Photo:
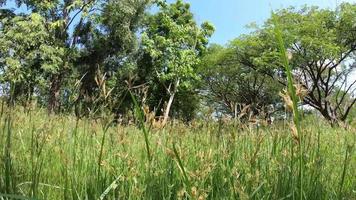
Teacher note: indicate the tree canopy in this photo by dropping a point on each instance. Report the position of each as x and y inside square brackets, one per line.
[86, 56]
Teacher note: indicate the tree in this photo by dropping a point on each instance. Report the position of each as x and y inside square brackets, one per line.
[28, 54]
[233, 86]
[320, 42]
[172, 44]
[59, 18]
[109, 45]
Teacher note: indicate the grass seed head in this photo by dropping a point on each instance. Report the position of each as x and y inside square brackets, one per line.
[194, 192]
[294, 132]
[301, 92]
[181, 193]
[288, 103]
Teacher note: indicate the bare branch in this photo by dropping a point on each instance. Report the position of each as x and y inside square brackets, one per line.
[338, 103]
[76, 14]
[348, 110]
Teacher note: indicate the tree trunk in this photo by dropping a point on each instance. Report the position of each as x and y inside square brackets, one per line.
[15, 93]
[329, 116]
[167, 109]
[169, 103]
[54, 93]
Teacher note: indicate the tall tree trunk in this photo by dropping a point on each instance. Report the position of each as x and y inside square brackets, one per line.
[54, 93]
[11, 99]
[15, 93]
[167, 109]
[170, 102]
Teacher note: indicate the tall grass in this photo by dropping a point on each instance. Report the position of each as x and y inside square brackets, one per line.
[56, 157]
[293, 95]
[141, 121]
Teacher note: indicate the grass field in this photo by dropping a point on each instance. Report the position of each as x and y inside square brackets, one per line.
[59, 157]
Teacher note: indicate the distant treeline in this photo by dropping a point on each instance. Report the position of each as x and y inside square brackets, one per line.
[92, 57]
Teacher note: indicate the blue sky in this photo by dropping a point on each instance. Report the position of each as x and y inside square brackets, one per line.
[230, 17]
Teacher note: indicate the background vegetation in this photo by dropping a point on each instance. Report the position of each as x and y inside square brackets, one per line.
[85, 56]
[108, 99]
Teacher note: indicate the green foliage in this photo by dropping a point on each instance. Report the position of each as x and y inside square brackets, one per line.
[28, 53]
[172, 45]
[187, 105]
[174, 42]
[232, 85]
[25, 46]
[108, 61]
[110, 47]
[316, 47]
[39, 5]
[57, 51]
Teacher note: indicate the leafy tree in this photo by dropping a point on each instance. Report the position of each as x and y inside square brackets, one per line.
[59, 17]
[319, 44]
[110, 44]
[28, 54]
[172, 45]
[232, 85]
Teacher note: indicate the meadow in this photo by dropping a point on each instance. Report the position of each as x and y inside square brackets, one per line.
[60, 157]
[131, 99]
